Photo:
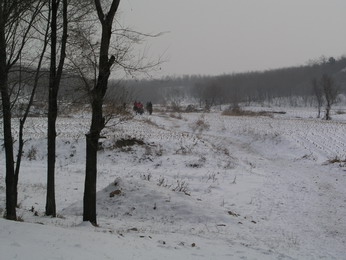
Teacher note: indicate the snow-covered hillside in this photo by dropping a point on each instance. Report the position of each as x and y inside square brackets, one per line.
[189, 186]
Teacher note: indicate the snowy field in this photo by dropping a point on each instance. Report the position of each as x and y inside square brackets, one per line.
[193, 186]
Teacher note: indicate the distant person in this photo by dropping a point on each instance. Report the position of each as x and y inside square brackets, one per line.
[138, 107]
[149, 108]
[135, 107]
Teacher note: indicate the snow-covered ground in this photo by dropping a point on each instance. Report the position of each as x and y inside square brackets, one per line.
[200, 186]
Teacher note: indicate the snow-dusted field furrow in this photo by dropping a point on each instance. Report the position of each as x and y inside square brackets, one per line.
[321, 139]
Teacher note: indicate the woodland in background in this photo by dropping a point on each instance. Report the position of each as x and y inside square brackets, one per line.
[293, 84]
[259, 87]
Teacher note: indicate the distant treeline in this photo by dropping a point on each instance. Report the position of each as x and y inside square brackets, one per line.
[241, 87]
[263, 86]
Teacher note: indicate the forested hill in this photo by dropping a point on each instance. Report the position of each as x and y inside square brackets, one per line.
[249, 86]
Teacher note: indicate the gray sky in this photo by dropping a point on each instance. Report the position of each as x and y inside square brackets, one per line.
[226, 36]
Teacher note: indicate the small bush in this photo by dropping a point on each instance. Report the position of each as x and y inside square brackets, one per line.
[32, 153]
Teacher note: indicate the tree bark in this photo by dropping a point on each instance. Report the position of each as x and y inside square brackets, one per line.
[11, 189]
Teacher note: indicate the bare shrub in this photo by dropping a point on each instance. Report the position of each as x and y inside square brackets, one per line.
[200, 125]
[146, 177]
[124, 144]
[128, 142]
[176, 115]
[175, 106]
[211, 177]
[191, 108]
[182, 186]
[198, 164]
[32, 153]
[117, 112]
[337, 159]
[237, 111]
[162, 182]
[186, 149]
[340, 112]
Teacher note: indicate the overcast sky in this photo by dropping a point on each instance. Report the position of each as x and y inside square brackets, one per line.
[213, 37]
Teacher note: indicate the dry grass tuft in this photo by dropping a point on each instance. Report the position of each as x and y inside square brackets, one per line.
[241, 112]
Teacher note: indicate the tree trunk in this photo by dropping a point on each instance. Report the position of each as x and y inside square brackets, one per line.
[92, 139]
[11, 189]
[328, 111]
[319, 109]
[52, 115]
[54, 82]
[97, 121]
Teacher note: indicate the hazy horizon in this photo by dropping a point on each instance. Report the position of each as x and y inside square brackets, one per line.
[232, 36]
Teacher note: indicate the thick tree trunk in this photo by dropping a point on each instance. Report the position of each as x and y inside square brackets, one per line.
[97, 121]
[11, 189]
[92, 139]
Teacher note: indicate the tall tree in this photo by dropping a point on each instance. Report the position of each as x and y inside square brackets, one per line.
[34, 83]
[6, 110]
[54, 82]
[97, 120]
[16, 21]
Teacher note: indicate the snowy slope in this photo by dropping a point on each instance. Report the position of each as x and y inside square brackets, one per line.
[231, 188]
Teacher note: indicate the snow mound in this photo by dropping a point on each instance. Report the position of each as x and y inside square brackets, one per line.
[145, 201]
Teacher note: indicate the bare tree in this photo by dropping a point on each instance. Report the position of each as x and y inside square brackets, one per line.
[16, 22]
[36, 76]
[98, 121]
[111, 55]
[318, 91]
[6, 110]
[330, 93]
[54, 82]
